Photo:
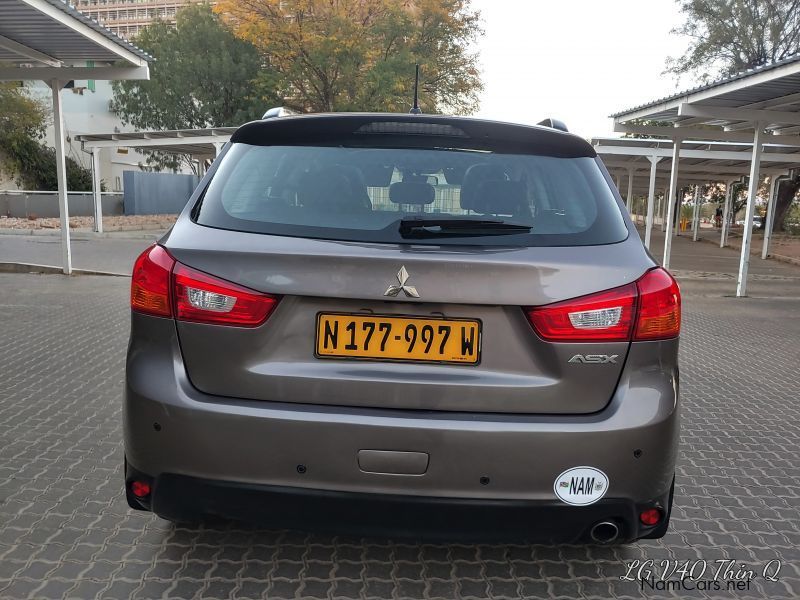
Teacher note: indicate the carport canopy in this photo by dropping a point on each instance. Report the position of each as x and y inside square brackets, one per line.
[760, 106]
[201, 144]
[648, 163]
[198, 143]
[48, 40]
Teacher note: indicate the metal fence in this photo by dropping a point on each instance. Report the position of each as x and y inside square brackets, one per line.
[446, 200]
[157, 193]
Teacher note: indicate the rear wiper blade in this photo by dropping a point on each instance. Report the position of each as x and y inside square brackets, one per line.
[420, 227]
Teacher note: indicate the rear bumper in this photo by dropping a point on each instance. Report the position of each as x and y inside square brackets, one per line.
[202, 449]
[181, 498]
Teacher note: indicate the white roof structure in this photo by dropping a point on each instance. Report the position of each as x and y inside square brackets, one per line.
[760, 106]
[49, 34]
[194, 142]
[769, 94]
[47, 40]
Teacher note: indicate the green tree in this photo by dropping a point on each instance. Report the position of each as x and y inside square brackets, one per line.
[729, 36]
[202, 77]
[359, 55]
[20, 114]
[35, 166]
[648, 123]
[22, 127]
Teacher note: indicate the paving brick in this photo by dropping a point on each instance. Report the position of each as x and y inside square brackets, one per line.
[65, 530]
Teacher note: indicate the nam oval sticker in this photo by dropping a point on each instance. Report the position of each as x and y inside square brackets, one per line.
[581, 486]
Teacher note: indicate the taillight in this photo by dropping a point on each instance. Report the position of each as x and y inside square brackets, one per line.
[659, 306]
[163, 287]
[202, 298]
[648, 309]
[604, 317]
[150, 282]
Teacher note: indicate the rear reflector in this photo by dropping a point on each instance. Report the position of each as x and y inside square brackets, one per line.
[150, 282]
[650, 516]
[202, 298]
[649, 309]
[140, 489]
[163, 287]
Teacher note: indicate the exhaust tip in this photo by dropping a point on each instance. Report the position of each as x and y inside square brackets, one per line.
[605, 532]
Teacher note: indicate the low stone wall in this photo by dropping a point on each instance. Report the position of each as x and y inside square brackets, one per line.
[45, 204]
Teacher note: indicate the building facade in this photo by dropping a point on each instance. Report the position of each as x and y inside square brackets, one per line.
[127, 18]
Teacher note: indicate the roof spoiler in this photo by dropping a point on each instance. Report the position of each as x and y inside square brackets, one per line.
[554, 124]
[278, 111]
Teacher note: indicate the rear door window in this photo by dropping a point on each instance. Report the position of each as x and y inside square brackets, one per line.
[364, 194]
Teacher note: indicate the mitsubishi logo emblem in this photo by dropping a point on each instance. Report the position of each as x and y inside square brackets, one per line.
[402, 277]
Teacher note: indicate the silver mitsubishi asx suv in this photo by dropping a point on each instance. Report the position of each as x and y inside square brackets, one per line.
[405, 324]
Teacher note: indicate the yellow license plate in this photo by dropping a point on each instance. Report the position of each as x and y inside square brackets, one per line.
[381, 337]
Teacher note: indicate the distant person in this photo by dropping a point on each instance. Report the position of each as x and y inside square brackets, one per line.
[718, 217]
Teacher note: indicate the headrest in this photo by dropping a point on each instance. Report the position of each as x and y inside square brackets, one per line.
[501, 198]
[472, 179]
[333, 189]
[408, 192]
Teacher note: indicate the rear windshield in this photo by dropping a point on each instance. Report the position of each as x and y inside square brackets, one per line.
[366, 194]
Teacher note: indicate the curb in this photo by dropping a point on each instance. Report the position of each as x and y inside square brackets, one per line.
[19, 267]
[80, 234]
[786, 259]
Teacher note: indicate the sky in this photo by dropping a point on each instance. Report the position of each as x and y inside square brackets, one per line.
[575, 60]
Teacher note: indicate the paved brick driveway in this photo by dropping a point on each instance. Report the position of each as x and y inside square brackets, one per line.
[65, 529]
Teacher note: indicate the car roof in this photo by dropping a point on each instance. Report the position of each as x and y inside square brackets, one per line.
[416, 131]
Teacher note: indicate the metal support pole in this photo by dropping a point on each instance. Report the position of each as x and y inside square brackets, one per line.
[678, 206]
[771, 202]
[723, 237]
[61, 177]
[617, 179]
[696, 213]
[732, 212]
[97, 191]
[673, 192]
[651, 193]
[657, 205]
[658, 202]
[629, 197]
[664, 209]
[747, 234]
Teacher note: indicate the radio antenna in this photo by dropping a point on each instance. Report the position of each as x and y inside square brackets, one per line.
[415, 110]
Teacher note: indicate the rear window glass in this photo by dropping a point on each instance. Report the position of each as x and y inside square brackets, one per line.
[365, 194]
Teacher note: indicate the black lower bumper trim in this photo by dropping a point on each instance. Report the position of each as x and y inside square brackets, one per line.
[181, 498]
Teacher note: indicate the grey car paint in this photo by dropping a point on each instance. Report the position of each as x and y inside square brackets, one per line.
[518, 371]
[225, 438]
[459, 275]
